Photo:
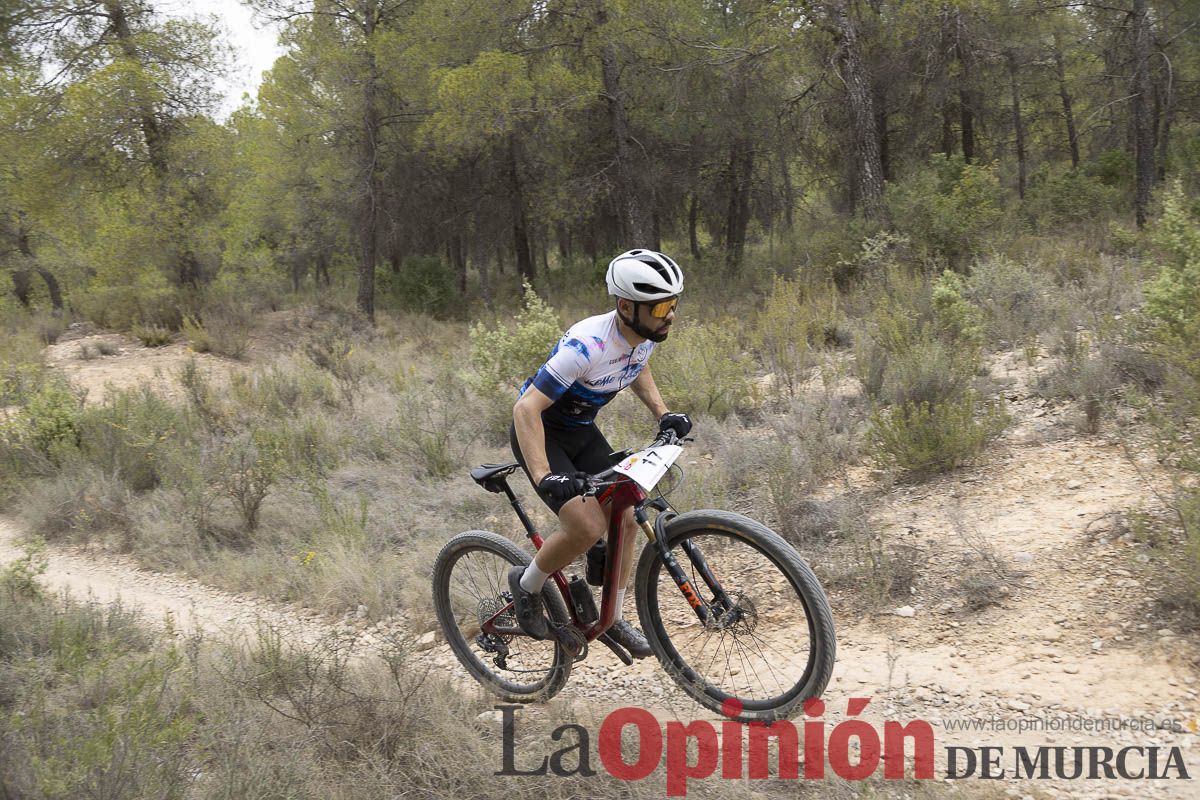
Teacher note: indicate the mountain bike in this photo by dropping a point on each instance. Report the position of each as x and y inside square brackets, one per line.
[729, 608]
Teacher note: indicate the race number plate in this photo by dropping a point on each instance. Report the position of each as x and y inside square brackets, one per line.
[647, 467]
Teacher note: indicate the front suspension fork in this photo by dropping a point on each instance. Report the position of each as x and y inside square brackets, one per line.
[657, 535]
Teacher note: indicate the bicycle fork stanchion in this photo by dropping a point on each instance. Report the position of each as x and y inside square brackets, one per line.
[656, 536]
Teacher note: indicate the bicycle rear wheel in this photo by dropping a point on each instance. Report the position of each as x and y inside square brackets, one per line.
[470, 584]
[771, 647]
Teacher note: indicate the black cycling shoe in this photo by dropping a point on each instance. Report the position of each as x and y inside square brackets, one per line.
[528, 606]
[630, 638]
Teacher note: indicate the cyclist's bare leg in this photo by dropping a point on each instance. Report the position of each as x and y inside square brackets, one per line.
[629, 544]
[583, 521]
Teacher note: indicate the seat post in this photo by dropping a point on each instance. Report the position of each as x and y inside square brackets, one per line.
[530, 530]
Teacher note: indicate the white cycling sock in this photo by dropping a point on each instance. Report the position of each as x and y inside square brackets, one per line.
[533, 579]
[620, 602]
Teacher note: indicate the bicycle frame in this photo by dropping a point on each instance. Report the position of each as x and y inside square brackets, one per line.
[622, 495]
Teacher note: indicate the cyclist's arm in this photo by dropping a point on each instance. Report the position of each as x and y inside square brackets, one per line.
[531, 435]
[647, 391]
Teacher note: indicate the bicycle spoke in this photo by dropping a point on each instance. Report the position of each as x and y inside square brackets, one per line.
[739, 652]
[477, 587]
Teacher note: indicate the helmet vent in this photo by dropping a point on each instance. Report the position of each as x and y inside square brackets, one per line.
[649, 288]
[674, 268]
[659, 268]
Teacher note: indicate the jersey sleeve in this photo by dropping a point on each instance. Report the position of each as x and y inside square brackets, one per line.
[568, 361]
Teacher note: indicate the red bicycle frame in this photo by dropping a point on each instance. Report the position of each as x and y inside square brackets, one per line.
[623, 495]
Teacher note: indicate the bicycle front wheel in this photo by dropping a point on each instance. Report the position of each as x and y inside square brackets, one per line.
[768, 643]
[470, 585]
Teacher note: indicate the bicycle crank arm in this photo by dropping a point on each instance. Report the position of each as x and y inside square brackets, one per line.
[621, 653]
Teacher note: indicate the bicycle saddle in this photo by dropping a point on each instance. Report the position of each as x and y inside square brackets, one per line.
[491, 476]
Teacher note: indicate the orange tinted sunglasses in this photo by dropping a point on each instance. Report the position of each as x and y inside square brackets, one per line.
[661, 309]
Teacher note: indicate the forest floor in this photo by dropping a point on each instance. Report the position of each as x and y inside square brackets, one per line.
[1074, 640]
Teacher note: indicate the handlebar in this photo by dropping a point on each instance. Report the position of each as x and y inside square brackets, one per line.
[605, 479]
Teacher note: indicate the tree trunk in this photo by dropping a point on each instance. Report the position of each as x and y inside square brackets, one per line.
[966, 92]
[966, 120]
[1143, 129]
[631, 200]
[321, 278]
[22, 278]
[693, 240]
[789, 193]
[187, 265]
[947, 129]
[22, 286]
[520, 228]
[368, 166]
[458, 258]
[156, 145]
[1068, 112]
[737, 216]
[1018, 125]
[1164, 130]
[881, 124]
[563, 237]
[868, 164]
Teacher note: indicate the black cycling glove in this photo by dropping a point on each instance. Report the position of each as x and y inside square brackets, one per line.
[562, 487]
[681, 424]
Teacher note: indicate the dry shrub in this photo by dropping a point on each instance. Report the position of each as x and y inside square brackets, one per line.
[929, 438]
[224, 331]
[76, 504]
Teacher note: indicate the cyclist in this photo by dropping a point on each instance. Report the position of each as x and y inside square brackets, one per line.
[555, 438]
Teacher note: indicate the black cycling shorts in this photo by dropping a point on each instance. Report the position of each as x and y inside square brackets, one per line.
[582, 449]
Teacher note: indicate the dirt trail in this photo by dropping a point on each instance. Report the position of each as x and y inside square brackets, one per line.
[188, 605]
[1071, 638]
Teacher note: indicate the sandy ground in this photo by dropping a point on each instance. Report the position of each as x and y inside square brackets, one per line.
[1073, 638]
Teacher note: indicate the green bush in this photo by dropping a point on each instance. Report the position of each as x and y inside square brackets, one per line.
[502, 358]
[1071, 197]
[888, 330]
[946, 209]
[701, 369]
[1173, 297]
[927, 438]
[957, 320]
[19, 578]
[248, 467]
[424, 284]
[131, 434]
[877, 255]
[48, 421]
[1112, 168]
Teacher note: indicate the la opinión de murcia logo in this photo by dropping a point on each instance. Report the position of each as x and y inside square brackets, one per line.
[694, 750]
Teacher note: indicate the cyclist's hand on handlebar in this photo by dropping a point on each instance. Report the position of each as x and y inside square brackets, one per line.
[679, 424]
[563, 486]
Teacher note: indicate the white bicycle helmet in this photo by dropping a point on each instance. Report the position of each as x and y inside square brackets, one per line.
[644, 276]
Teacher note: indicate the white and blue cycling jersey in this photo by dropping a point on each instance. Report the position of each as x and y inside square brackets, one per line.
[589, 365]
